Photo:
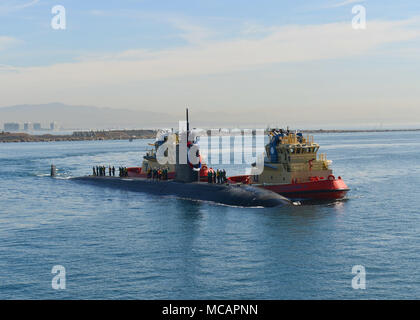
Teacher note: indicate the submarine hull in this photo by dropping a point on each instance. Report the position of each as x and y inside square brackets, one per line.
[234, 195]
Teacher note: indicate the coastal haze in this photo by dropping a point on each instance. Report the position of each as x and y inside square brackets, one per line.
[83, 117]
[68, 118]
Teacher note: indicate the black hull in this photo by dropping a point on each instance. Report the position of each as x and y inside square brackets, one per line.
[234, 195]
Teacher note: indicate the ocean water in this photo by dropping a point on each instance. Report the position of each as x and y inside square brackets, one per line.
[126, 245]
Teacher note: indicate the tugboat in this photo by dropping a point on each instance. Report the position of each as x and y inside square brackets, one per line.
[150, 161]
[294, 169]
[183, 179]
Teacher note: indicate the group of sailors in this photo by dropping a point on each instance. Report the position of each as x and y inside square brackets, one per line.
[122, 172]
[216, 176]
[213, 176]
[157, 174]
[100, 171]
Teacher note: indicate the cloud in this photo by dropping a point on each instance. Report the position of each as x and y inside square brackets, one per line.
[13, 6]
[280, 45]
[345, 3]
[291, 43]
[191, 33]
[6, 42]
[27, 4]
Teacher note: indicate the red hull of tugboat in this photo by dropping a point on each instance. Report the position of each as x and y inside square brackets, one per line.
[328, 189]
[315, 190]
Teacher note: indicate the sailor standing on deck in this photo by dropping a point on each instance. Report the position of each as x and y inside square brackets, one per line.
[209, 177]
[113, 171]
[94, 171]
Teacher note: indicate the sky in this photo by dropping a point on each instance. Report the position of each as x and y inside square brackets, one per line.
[297, 63]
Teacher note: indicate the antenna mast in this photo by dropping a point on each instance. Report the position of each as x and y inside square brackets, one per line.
[188, 124]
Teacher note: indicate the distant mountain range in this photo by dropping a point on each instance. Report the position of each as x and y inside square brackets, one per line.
[69, 117]
[84, 117]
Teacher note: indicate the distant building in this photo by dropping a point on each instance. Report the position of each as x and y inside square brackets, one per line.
[28, 126]
[11, 126]
[37, 126]
[53, 126]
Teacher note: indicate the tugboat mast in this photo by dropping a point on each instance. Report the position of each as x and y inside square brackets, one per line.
[188, 124]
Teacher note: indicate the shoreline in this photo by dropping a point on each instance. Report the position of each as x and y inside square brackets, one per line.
[6, 137]
[10, 137]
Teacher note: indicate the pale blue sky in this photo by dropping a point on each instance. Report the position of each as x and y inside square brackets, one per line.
[297, 60]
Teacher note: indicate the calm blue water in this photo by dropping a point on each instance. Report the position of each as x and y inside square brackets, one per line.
[117, 244]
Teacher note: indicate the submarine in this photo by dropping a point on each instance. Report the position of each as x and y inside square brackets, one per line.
[184, 179]
[226, 194]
